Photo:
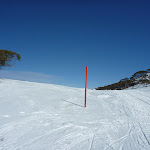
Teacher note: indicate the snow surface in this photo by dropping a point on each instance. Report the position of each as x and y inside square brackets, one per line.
[36, 116]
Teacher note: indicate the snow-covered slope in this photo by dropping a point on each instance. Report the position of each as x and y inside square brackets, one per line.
[35, 116]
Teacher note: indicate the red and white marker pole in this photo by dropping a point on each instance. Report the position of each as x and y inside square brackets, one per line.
[85, 85]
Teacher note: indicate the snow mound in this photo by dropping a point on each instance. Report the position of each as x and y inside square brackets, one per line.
[36, 116]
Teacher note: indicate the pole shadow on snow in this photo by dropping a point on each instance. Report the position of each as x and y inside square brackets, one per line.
[72, 103]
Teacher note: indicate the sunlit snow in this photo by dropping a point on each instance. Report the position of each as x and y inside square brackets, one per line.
[36, 116]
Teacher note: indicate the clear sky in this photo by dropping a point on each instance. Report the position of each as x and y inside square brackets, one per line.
[58, 38]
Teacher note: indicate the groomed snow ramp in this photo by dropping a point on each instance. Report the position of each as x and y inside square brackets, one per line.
[36, 116]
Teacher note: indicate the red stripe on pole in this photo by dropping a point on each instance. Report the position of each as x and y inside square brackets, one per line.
[85, 85]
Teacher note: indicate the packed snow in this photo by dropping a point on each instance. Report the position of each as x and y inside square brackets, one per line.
[36, 116]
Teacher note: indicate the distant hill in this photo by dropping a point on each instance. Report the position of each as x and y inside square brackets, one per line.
[140, 77]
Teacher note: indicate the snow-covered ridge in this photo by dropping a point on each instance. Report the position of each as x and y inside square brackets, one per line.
[35, 116]
[147, 76]
[138, 79]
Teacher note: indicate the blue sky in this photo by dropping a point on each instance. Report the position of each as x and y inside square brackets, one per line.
[57, 39]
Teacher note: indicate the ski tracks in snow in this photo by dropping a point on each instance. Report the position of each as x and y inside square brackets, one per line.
[118, 140]
[136, 108]
[39, 137]
[66, 141]
[69, 141]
